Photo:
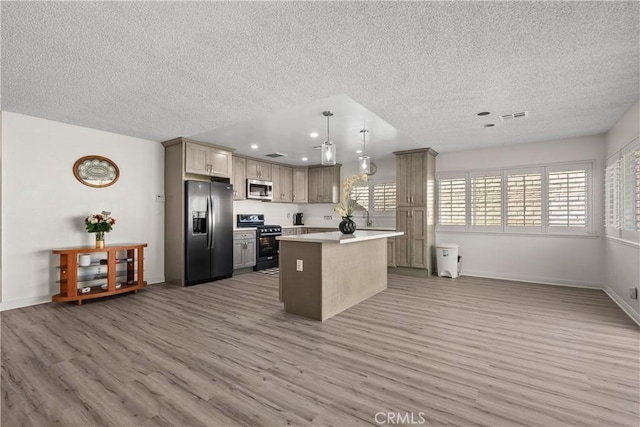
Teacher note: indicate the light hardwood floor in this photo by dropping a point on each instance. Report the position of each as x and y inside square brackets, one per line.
[457, 352]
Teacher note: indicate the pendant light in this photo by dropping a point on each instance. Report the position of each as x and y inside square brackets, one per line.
[328, 148]
[364, 161]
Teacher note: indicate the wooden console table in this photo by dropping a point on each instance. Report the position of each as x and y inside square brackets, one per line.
[118, 281]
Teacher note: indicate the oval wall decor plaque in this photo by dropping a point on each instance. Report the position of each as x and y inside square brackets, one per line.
[96, 171]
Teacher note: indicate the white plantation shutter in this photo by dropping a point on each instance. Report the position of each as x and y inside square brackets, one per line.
[630, 177]
[542, 199]
[524, 200]
[486, 201]
[567, 193]
[384, 197]
[452, 201]
[637, 182]
[360, 193]
[612, 197]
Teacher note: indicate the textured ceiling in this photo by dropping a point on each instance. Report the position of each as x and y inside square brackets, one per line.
[415, 73]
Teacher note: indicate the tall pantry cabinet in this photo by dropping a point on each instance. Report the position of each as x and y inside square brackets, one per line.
[415, 208]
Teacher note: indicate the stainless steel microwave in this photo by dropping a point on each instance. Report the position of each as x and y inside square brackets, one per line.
[260, 190]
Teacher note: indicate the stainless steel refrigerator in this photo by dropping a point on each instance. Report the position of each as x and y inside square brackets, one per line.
[209, 231]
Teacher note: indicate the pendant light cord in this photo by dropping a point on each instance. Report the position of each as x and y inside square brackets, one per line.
[364, 133]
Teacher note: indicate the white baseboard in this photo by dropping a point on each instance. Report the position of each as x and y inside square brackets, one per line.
[634, 315]
[530, 279]
[25, 302]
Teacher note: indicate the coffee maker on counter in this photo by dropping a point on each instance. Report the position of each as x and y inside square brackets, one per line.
[297, 219]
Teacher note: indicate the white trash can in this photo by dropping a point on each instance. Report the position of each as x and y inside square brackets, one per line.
[447, 260]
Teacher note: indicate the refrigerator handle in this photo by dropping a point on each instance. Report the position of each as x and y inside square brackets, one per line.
[209, 231]
[212, 224]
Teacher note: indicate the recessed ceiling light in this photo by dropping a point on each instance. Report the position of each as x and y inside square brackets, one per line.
[304, 159]
[489, 125]
[358, 151]
[484, 113]
[254, 146]
[313, 134]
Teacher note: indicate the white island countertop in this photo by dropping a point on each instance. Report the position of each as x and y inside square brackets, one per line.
[338, 237]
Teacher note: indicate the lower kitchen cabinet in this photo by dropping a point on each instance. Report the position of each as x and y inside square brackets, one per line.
[244, 249]
[413, 248]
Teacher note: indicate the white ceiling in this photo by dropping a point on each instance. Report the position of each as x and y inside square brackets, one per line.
[236, 73]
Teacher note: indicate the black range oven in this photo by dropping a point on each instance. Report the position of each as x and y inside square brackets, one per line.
[267, 247]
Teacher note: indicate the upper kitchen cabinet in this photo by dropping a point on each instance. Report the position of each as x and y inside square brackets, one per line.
[282, 177]
[324, 184]
[204, 159]
[300, 185]
[415, 169]
[239, 178]
[258, 170]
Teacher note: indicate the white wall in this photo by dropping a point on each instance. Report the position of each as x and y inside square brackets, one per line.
[43, 205]
[563, 260]
[622, 265]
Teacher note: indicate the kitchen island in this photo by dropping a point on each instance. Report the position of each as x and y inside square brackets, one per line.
[323, 274]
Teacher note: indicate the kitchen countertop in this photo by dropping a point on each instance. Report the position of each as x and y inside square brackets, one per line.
[328, 227]
[339, 238]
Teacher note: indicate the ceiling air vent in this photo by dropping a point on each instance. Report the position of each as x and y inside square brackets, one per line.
[276, 155]
[520, 115]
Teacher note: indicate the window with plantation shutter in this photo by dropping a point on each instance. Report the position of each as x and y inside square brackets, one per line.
[630, 177]
[384, 197]
[612, 197]
[567, 198]
[360, 193]
[486, 200]
[452, 201]
[622, 193]
[524, 200]
[544, 199]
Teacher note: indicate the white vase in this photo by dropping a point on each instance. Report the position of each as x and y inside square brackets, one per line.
[84, 260]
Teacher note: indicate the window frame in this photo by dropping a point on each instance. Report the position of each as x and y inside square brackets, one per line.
[524, 228]
[544, 229]
[373, 213]
[469, 211]
[617, 227]
[452, 227]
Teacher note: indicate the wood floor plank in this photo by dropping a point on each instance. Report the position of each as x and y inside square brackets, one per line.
[463, 352]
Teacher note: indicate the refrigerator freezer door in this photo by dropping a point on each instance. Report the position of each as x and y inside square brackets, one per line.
[197, 232]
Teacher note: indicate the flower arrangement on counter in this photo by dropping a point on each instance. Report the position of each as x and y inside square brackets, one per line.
[101, 222]
[348, 205]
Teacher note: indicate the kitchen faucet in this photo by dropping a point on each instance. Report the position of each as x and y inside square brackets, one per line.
[366, 215]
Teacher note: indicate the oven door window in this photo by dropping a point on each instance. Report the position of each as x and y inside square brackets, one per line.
[267, 246]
